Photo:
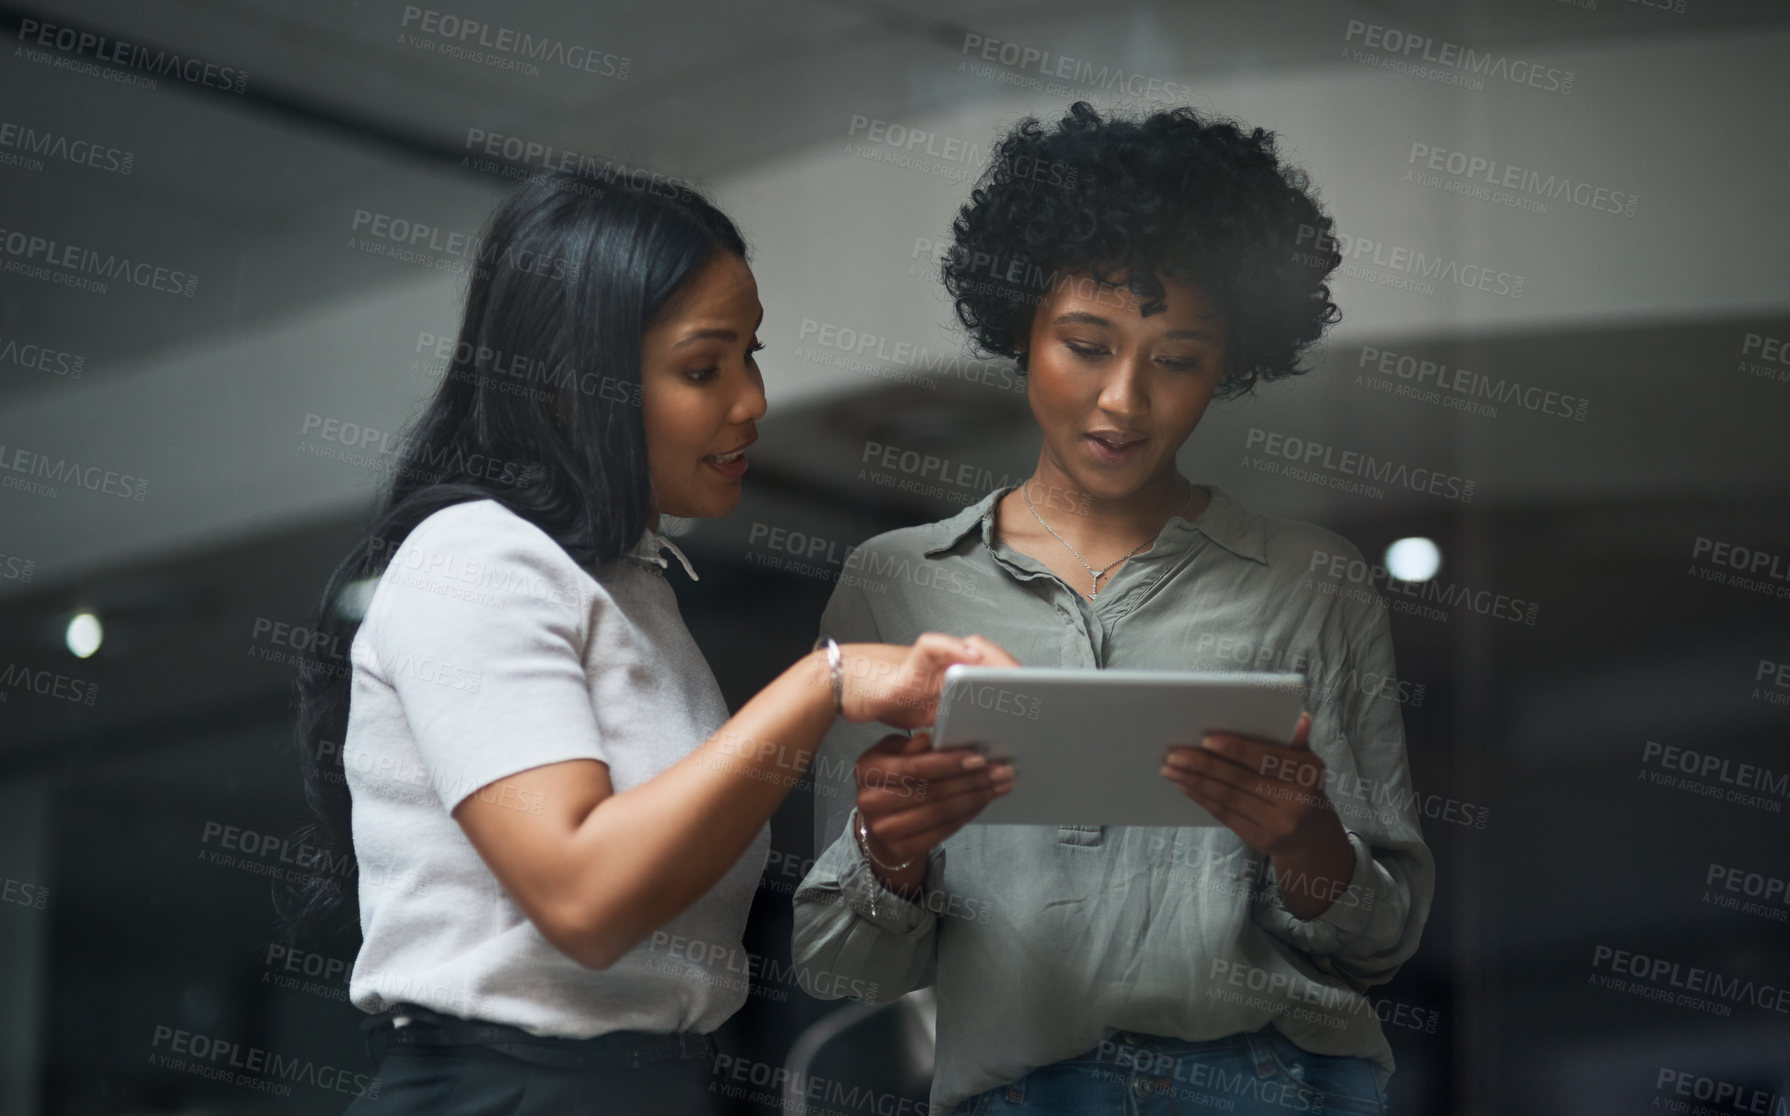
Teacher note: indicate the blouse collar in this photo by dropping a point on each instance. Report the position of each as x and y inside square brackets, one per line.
[1224, 521]
[647, 552]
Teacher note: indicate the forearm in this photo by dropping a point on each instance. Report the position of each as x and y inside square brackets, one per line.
[1373, 922]
[1313, 876]
[643, 856]
[1369, 915]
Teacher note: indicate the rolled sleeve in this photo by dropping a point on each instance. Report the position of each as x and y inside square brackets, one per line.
[479, 625]
[846, 922]
[849, 925]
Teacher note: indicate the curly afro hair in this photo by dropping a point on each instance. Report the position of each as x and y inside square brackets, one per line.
[1199, 201]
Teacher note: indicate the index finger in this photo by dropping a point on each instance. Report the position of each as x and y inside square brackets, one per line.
[939, 763]
[943, 651]
[1301, 741]
[1302, 731]
[1263, 757]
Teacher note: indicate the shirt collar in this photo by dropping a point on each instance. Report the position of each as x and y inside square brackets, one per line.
[1225, 521]
[647, 552]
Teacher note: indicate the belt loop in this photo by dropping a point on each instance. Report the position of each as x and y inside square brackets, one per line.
[376, 1029]
[1260, 1052]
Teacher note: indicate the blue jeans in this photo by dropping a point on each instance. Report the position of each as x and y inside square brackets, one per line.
[1260, 1074]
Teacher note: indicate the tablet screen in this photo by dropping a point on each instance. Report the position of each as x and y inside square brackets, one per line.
[1087, 745]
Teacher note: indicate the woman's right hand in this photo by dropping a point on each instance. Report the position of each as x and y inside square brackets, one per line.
[900, 686]
[912, 797]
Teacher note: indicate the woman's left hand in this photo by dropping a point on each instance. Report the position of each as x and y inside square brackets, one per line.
[1272, 797]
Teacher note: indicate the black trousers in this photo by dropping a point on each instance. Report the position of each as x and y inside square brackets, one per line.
[429, 1069]
[479, 1081]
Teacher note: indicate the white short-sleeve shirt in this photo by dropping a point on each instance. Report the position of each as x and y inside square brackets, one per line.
[485, 651]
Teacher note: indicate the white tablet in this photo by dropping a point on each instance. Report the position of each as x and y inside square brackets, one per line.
[1087, 745]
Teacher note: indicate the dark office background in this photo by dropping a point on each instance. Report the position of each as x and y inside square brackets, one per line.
[1600, 204]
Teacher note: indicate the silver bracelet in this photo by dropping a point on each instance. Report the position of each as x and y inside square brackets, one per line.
[863, 832]
[836, 668]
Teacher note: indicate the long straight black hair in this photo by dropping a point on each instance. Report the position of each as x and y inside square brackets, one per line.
[540, 409]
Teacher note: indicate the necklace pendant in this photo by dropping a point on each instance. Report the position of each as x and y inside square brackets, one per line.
[1095, 592]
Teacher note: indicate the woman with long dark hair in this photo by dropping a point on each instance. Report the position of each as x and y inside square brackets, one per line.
[1137, 270]
[526, 756]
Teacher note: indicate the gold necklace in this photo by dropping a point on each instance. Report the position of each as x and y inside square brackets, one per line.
[1100, 573]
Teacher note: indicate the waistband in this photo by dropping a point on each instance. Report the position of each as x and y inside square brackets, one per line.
[411, 1025]
[1123, 1046]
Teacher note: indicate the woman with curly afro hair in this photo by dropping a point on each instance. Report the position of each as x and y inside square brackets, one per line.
[1137, 270]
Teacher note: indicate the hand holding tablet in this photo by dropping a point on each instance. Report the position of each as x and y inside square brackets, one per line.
[1272, 797]
[911, 796]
